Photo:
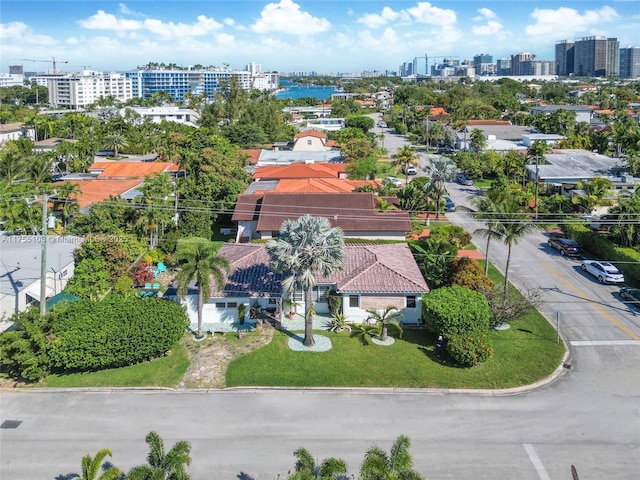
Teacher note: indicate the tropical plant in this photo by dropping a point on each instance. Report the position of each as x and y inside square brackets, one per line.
[384, 318]
[441, 170]
[404, 157]
[338, 323]
[199, 261]
[305, 248]
[91, 467]
[488, 212]
[432, 257]
[116, 142]
[163, 465]
[306, 468]
[397, 464]
[512, 229]
[456, 311]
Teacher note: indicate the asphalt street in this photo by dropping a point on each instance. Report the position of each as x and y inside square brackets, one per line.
[587, 416]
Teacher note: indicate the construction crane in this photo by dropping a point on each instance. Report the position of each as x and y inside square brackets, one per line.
[52, 61]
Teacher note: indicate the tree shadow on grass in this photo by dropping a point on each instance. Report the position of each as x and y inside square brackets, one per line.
[244, 476]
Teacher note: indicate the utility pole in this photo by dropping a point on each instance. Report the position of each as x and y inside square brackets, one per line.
[43, 257]
[536, 199]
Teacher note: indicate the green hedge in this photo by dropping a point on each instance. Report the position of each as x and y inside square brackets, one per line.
[600, 246]
[114, 332]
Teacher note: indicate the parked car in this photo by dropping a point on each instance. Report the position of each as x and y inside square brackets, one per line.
[446, 150]
[396, 182]
[462, 179]
[449, 206]
[382, 124]
[410, 170]
[603, 271]
[631, 294]
[565, 246]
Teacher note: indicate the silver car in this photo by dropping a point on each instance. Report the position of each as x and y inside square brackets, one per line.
[603, 271]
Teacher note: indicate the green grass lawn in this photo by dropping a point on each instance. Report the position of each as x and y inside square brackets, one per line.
[162, 372]
[525, 353]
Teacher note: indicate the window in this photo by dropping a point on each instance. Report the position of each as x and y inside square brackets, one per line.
[309, 142]
[272, 301]
[354, 302]
[220, 304]
[320, 293]
[232, 305]
[411, 301]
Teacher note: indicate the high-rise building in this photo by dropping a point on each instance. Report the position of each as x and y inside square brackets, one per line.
[483, 64]
[16, 70]
[630, 62]
[79, 90]
[517, 61]
[503, 66]
[564, 57]
[538, 68]
[596, 56]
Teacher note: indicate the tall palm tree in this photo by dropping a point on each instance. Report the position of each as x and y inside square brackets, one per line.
[404, 157]
[396, 465]
[488, 212]
[306, 468]
[163, 465]
[512, 228]
[383, 318]
[441, 170]
[306, 247]
[91, 467]
[199, 260]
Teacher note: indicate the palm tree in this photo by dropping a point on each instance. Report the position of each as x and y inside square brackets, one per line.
[199, 260]
[441, 170]
[383, 318]
[306, 468]
[67, 200]
[163, 466]
[596, 190]
[306, 247]
[397, 464]
[115, 141]
[91, 467]
[488, 212]
[512, 228]
[404, 157]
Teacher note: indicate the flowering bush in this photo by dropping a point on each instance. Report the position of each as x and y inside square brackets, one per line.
[141, 273]
[469, 350]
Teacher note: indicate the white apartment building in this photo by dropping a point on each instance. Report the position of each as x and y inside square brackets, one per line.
[79, 90]
[169, 113]
[11, 80]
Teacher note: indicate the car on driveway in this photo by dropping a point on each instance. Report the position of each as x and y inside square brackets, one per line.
[632, 295]
[410, 170]
[605, 272]
[565, 246]
[396, 182]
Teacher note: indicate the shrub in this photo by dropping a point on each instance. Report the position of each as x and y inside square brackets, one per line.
[114, 332]
[456, 311]
[449, 233]
[467, 272]
[470, 350]
[334, 302]
[141, 273]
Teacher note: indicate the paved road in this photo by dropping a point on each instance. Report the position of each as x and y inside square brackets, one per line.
[588, 417]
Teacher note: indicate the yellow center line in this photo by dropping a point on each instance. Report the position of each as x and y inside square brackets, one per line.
[606, 314]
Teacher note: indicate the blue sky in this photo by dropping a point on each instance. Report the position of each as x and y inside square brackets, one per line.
[285, 35]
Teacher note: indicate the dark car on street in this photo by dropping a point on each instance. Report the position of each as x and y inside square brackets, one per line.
[565, 246]
[631, 295]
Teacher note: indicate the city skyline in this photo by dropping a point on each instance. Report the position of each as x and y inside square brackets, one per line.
[287, 35]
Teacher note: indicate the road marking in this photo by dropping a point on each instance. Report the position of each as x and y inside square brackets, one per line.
[537, 464]
[594, 304]
[596, 343]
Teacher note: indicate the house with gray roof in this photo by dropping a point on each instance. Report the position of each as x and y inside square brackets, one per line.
[373, 277]
[583, 113]
[20, 269]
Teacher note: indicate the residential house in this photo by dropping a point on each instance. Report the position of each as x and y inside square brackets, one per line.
[20, 269]
[260, 215]
[373, 277]
[16, 130]
[583, 114]
[301, 170]
[312, 140]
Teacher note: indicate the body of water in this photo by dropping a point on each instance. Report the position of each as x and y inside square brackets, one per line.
[299, 91]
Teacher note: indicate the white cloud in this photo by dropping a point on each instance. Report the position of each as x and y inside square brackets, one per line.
[424, 12]
[564, 21]
[286, 17]
[375, 20]
[10, 32]
[229, 22]
[492, 26]
[124, 10]
[108, 21]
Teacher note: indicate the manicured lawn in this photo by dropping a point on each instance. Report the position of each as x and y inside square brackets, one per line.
[162, 372]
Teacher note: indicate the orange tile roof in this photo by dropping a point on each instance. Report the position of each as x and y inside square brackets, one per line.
[254, 155]
[437, 111]
[92, 191]
[310, 133]
[120, 169]
[605, 111]
[301, 170]
[321, 185]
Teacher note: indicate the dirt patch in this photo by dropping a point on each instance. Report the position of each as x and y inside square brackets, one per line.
[211, 356]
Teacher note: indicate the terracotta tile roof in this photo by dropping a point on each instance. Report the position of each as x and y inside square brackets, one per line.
[321, 185]
[310, 133]
[92, 191]
[605, 111]
[437, 111]
[253, 155]
[247, 207]
[353, 212]
[301, 170]
[387, 268]
[120, 169]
